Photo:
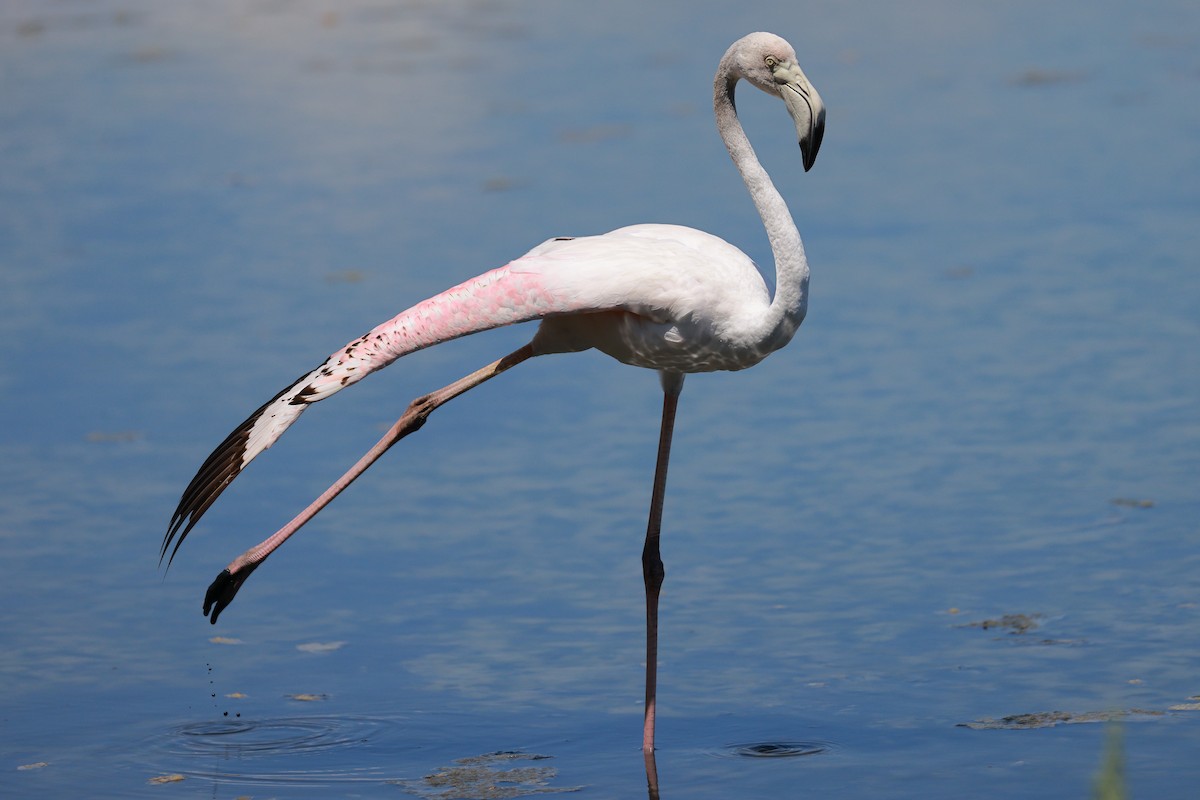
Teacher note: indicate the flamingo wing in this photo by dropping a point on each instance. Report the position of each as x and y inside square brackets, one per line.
[562, 276]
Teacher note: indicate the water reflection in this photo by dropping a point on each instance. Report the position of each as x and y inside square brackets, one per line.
[651, 775]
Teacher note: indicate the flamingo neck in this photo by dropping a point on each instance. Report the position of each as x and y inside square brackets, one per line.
[790, 302]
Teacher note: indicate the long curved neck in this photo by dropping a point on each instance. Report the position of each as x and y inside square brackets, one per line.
[791, 266]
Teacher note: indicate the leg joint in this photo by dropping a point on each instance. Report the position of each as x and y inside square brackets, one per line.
[653, 571]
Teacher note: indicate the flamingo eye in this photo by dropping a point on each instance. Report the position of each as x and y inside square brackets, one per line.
[772, 62]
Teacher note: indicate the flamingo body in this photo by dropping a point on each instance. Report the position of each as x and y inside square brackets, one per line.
[663, 297]
[673, 298]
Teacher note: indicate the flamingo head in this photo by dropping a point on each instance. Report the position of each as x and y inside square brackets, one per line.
[768, 62]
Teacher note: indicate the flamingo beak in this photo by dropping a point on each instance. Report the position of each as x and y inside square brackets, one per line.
[806, 108]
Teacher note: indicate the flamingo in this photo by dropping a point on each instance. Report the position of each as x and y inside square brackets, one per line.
[664, 297]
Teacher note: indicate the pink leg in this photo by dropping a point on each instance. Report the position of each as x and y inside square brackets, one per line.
[222, 590]
[652, 566]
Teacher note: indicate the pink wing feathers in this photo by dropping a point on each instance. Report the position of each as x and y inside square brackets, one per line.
[500, 297]
[638, 269]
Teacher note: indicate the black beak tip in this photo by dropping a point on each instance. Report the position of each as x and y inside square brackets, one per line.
[810, 146]
[808, 156]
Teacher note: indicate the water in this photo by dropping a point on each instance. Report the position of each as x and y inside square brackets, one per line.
[991, 410]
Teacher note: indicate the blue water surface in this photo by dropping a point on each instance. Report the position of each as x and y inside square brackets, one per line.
[991, 414]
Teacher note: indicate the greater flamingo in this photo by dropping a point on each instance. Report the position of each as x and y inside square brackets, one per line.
[664, 297]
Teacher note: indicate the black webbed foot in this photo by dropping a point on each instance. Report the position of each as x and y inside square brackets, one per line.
[222, 591]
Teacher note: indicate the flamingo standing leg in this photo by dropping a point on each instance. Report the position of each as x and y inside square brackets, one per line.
[652, 566]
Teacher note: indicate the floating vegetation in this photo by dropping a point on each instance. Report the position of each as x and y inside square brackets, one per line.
[173, 778]
[1015, 624]
[1050, 719]
[1193, 704]
[488, 777]
[307, 698]
[1132, 502]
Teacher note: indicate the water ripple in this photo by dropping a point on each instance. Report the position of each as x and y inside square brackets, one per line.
[209, 749]
[776, 749]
